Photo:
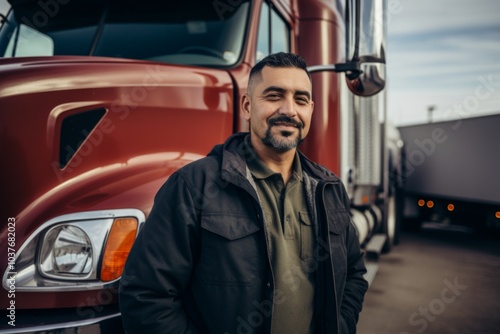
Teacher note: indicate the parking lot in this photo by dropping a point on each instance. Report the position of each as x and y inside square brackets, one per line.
[436, 282]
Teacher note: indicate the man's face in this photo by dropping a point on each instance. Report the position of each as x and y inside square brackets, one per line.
[279, 108]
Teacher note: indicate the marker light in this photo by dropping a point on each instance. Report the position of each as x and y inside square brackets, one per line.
[118, 246]
[421, 202]
[451, 207]
[365, 199]
[430, 204]
[497, 214]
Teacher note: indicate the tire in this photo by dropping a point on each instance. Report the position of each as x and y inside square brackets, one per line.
[399, 194]
[390, 223]
[393, 216]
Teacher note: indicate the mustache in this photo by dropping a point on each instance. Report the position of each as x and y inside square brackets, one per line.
[285, 119]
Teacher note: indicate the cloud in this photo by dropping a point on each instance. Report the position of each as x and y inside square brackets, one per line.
[436, 52]
[447, 106]
[424, 16]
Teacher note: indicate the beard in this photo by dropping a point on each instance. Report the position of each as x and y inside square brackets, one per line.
[285, 141]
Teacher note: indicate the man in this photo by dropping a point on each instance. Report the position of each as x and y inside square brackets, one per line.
[254, 238]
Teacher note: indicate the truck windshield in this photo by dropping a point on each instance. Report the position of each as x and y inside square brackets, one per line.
[179, 32]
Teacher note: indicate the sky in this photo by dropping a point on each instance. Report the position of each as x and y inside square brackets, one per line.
[442, 55]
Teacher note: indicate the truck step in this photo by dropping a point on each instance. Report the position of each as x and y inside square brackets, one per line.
[371, 271]
[375, 245]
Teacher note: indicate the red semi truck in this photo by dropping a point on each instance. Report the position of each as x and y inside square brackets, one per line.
[100, 101]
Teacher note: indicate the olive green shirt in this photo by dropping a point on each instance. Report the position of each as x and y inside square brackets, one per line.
[290, 238]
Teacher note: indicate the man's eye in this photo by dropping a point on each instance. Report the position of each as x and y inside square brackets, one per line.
[302, 100]
[273, 96]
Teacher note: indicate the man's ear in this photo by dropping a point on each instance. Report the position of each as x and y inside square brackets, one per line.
[245, 106]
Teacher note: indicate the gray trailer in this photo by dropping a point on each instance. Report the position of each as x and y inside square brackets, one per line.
[452, 172]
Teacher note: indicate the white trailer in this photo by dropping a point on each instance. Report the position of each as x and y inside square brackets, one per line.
[452, 172]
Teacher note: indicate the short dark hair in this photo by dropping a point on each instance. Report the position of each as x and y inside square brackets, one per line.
[280, 59]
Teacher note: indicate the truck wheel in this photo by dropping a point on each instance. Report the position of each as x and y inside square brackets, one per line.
[390, 223]
[399, 202]
[393, 206]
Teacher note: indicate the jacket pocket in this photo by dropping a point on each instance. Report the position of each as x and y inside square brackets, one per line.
[230, 249]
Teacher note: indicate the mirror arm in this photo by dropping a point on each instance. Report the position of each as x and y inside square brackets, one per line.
[351, 68]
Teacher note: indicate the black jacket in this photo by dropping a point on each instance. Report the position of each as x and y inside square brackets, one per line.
[200, 264]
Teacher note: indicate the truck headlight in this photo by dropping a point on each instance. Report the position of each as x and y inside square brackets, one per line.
[78, 251]
[66, 252]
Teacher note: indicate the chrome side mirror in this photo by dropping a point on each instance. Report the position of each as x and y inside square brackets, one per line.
[369, 81]
[366, 35]
[365, 48]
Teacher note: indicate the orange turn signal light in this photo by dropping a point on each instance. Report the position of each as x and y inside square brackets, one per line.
[497, 214]
[120, 241]
[421, 202]
[451, 207]
[365, 199]
[430, 204]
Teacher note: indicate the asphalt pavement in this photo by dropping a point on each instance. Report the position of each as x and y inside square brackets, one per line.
[436, 282]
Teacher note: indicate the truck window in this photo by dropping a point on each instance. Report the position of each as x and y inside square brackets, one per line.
[182, 32]
[273, 35]
[29, 42]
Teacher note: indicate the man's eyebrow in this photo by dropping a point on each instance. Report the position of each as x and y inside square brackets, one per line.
[303, 92]
[282, 90]
[273, 89]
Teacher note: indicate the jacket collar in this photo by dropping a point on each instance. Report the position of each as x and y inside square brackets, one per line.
[233, 154]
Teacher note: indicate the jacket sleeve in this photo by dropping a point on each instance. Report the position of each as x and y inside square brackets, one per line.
[159, 266]
[356, 285]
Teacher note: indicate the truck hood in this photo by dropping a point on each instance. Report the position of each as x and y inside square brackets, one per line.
[80, 132]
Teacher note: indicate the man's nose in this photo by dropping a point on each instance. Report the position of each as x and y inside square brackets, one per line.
[288, 107]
